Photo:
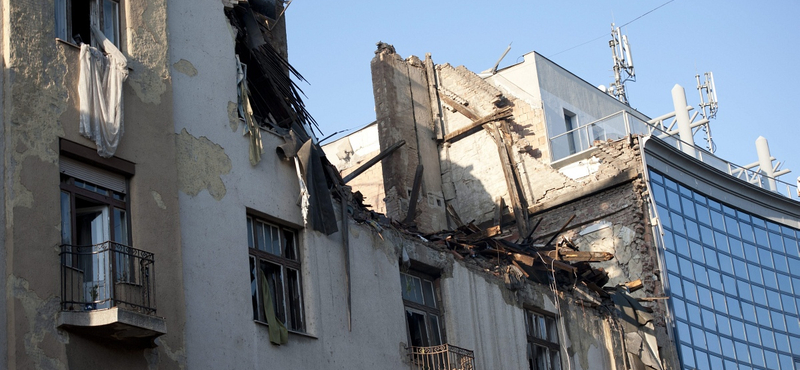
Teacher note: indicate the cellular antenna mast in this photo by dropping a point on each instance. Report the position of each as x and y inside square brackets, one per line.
[623, 64]
[708, 104]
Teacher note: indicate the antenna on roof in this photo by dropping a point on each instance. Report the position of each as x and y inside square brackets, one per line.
[493, 70]
[623, 64]
[708, 104]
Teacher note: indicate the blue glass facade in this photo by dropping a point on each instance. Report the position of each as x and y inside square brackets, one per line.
[734, 282]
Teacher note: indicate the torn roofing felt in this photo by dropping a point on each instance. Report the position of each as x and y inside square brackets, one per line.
[275, 98]
[275, 103]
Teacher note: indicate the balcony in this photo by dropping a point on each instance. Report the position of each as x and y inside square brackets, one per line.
[441, 357]
[108, 291]
[618, 125]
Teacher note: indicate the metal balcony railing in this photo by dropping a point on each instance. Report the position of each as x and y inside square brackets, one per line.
[107, 275]
[622, 123]
[442, 357]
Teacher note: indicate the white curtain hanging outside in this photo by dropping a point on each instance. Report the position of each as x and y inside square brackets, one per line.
[100, 93]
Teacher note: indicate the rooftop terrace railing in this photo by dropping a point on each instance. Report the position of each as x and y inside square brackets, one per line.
[622, 123]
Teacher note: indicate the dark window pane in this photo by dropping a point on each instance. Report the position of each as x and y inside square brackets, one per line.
[417, 330]
[250, 233]
[427, 291]
[295, 304]
[275, 281]
[290, 247]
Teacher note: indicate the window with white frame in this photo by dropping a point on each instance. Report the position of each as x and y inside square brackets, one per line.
[275, 273]
[543, 349]
[74, 18]
[423, 316]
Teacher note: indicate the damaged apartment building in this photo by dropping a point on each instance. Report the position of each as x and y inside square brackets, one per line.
[166, 205]
[694, 260]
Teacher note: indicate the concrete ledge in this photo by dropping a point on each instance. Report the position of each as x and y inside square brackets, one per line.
[129, 327]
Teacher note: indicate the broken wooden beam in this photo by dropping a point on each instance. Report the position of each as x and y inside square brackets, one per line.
[412, 202]
[383, 154]
[634, 285]
[476, 124]
[575, 256]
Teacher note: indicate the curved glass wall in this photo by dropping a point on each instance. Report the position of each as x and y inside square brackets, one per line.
[734, 282]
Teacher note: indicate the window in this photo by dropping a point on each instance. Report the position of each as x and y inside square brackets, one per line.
[95, 230]
[274, 255]
[543, 350]
[570, 123]
[422, 311]
[75, 17]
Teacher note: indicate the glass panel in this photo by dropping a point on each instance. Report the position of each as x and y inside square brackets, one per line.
[679, 308]
[250, 233]
[780, 262]
[417, 330]
[411, 287]
[753, 334]
[717, 221]
[733, 307]
[427, 291]
[658, 194]
[254, 291]
[295, 300]
[275, 241]
[260, 242]
[723, 324]
[61, 19]
[684, 333]
[788, 303]
[121, 226]
[697, 251]
[66, 218]
[727, 347]
[656, 177]
[436, 337]
[708, 320]
[747, 231]
[541, 327]
[290, 247]
[674, 201]
[110, 21]
[750, 252]
[742, 352]
[782, 342]
[711, 257]
[776, 242]
[552, 330]
[675, 285]
[688, 207]
[761, 237]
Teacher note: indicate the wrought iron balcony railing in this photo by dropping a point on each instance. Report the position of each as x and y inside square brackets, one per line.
[107, 275]
[442, 357]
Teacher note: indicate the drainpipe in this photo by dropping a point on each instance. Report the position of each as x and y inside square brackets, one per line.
[765, 162]
[682, 116]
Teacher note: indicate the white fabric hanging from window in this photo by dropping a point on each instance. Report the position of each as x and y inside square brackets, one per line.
[100, 93]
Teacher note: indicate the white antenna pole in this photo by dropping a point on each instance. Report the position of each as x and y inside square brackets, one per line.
[684, 122]
[765, 162]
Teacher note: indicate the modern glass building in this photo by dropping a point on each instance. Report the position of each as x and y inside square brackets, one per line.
[732, 265]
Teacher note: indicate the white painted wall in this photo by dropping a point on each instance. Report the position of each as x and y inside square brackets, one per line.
[220, 331]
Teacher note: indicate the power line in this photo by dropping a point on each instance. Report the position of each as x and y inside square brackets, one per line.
[604, 35]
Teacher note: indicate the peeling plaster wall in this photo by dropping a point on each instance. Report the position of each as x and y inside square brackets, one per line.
[39, 106]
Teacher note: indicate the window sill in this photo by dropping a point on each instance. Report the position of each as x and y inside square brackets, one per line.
[300, 333]
[67, 43]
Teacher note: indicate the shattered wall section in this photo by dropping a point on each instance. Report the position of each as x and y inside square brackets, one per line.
[403, 112]
[611, 215]
[352, 151]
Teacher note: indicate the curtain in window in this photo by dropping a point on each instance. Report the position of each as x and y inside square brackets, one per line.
[100, 94]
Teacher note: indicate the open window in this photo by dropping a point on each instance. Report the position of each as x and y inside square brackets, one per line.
[74, 18]
[543, 348]
[275, 274]
[95, 231]
[423, 315]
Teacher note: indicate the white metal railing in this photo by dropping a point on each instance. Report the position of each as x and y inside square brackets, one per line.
[622, 123]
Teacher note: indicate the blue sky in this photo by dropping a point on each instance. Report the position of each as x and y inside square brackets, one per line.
[751, 47]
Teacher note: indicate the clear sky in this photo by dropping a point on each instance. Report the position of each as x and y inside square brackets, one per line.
[751, 47]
